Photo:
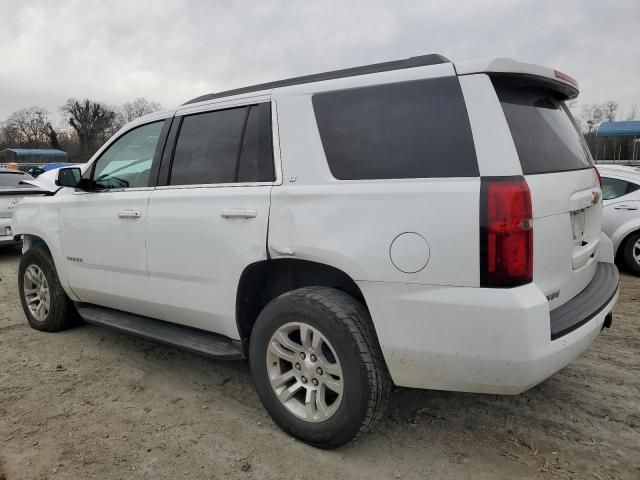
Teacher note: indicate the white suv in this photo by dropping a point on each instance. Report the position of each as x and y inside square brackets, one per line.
[418, 223]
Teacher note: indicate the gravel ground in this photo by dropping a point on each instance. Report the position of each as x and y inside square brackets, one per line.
[93, 403]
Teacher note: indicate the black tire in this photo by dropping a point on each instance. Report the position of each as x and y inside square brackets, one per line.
[627, 253]
[347, 325]
[62, 312]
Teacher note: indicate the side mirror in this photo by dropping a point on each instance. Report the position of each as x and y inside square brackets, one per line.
[69, 177]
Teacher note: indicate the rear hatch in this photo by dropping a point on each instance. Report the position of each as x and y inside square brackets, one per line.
[565, 190]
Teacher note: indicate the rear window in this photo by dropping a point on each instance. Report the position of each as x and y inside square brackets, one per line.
[543, 130]
[416, 129]
[13, 180]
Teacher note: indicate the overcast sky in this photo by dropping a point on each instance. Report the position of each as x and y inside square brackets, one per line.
[171, 51]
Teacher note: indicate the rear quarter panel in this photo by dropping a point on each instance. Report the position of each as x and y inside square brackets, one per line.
[351, 224]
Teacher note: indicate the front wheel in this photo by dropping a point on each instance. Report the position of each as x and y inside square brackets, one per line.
[43, 299]
[318, 367]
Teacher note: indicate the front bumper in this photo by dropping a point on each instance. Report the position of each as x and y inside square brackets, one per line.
[476, 339]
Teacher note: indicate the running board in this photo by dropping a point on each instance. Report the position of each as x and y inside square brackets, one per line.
[186, 338]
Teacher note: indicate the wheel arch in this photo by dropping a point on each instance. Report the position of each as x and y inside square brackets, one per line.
[30, 241]
[623, 240]
[622, 233]
[263, 281]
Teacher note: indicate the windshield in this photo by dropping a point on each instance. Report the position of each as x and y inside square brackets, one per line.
[544, 132]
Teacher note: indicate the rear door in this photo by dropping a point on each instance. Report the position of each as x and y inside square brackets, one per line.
[565, 191]
[209, 220]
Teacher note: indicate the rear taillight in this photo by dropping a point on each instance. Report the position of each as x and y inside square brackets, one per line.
[566, 78]
[506, 232]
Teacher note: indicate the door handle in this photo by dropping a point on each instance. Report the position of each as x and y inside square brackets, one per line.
[129, 214]
[625, 207]
[238, 213]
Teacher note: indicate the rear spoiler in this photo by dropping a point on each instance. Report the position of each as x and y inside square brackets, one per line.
[554, 79]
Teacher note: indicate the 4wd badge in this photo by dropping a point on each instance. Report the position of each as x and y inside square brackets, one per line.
[553, 295]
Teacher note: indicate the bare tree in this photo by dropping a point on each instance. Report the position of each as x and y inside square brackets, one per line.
[633, 113]
[28, 127]
[610, 110]
[92, 121]
[135, 109]
[590, 116]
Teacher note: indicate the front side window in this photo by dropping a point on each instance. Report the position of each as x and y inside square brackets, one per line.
[614, 188]
[127, 162]
[224, 146]
[417, 129]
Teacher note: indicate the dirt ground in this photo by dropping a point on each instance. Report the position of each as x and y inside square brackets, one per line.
[93, 403]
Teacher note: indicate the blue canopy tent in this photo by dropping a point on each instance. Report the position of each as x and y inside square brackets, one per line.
[32, 155]
[621, 129]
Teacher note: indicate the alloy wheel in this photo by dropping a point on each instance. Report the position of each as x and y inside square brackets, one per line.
[305, 372]
[636, 251]
[36, 292]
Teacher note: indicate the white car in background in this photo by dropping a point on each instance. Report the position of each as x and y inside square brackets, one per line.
[47, 180]
[13, 188]
[621, 212]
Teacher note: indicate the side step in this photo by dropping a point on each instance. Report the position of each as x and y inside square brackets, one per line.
[187, 338]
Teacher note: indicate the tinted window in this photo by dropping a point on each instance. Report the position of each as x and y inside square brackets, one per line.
[10, 179]
[256, 159]
[207, 147]
[544, 133]
[614, 188]
[407, 130]
[225, 146]
[127, 162]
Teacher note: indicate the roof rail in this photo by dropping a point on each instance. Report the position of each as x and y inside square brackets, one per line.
[419, 61]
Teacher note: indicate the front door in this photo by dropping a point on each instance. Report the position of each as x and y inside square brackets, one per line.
[104, 230]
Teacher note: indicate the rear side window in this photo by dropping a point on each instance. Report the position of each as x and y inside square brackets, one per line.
[416, 129]
[544, 132]
[614, 188]
[224, 146]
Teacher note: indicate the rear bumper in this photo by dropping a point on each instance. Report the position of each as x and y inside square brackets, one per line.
[477, 339]
[587, 304]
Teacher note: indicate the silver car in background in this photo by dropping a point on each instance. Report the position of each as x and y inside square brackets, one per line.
[13, 188]
[621, 212]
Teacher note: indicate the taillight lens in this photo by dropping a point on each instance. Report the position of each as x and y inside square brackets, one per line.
[566, 78]
[506, 232]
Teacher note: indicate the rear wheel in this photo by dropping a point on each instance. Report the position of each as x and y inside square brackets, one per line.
[318, 367]
[43, 299]
[631, 253]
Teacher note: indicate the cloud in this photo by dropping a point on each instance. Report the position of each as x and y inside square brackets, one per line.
[169, 52]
